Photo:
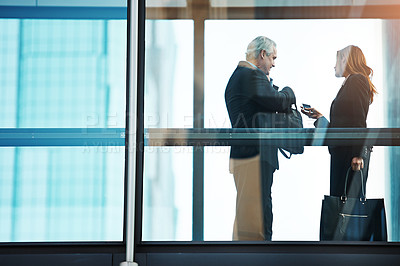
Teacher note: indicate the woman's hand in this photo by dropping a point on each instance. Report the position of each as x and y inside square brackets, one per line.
[311, 112]
[357, 163]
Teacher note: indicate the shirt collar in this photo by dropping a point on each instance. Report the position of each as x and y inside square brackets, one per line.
[270, 79]
[252, 64]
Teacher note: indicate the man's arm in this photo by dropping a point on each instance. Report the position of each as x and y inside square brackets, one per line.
[266, 97]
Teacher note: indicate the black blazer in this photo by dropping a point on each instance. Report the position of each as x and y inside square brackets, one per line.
[248, 93]
[350, 109]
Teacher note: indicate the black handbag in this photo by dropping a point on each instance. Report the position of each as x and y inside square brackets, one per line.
[353, 219]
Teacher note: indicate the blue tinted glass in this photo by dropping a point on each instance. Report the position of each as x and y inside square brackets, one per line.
[62, 74]
[61, 194]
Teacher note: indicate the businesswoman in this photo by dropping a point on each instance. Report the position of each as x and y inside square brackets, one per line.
[348, 110]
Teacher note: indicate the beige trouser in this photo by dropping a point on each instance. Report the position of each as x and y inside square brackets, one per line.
[249, 220]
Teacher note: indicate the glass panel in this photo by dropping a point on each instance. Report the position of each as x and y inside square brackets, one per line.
[162, 3]
[62, 73]
[168, 103]
[308, 69]
[297, 192]
[84, 3]
[219, 195]
[169, 74]
[61, 194]
[306, 57]
[167, 190]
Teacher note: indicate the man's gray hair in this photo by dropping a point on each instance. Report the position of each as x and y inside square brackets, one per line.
[257, 45]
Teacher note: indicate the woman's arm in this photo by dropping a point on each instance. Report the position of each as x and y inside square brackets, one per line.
[320, 122]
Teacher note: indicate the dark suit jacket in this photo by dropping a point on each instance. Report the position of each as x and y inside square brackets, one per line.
[248, 93]
[348, 109]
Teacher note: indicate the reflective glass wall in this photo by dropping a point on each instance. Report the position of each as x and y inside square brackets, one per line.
[58, 74]
[167, 189]
[192, 192]
[309, 70]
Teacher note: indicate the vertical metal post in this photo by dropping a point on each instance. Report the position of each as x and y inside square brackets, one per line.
[133, 8]
[200, 11]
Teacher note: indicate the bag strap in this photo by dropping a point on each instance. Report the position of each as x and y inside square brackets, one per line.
[290, 107]
[280, 149]
[284, 153]
[344, 197]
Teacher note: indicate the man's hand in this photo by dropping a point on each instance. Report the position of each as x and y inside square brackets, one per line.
[357, 163]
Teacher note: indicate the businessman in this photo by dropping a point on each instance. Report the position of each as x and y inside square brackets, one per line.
[250, 91]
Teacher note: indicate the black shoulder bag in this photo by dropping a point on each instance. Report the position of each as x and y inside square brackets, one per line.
[290, 119]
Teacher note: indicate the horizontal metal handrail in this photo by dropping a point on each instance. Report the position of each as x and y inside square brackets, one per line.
[271, 136]
[16, 137]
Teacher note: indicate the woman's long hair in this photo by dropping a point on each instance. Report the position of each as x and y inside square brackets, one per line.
[356, 64]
